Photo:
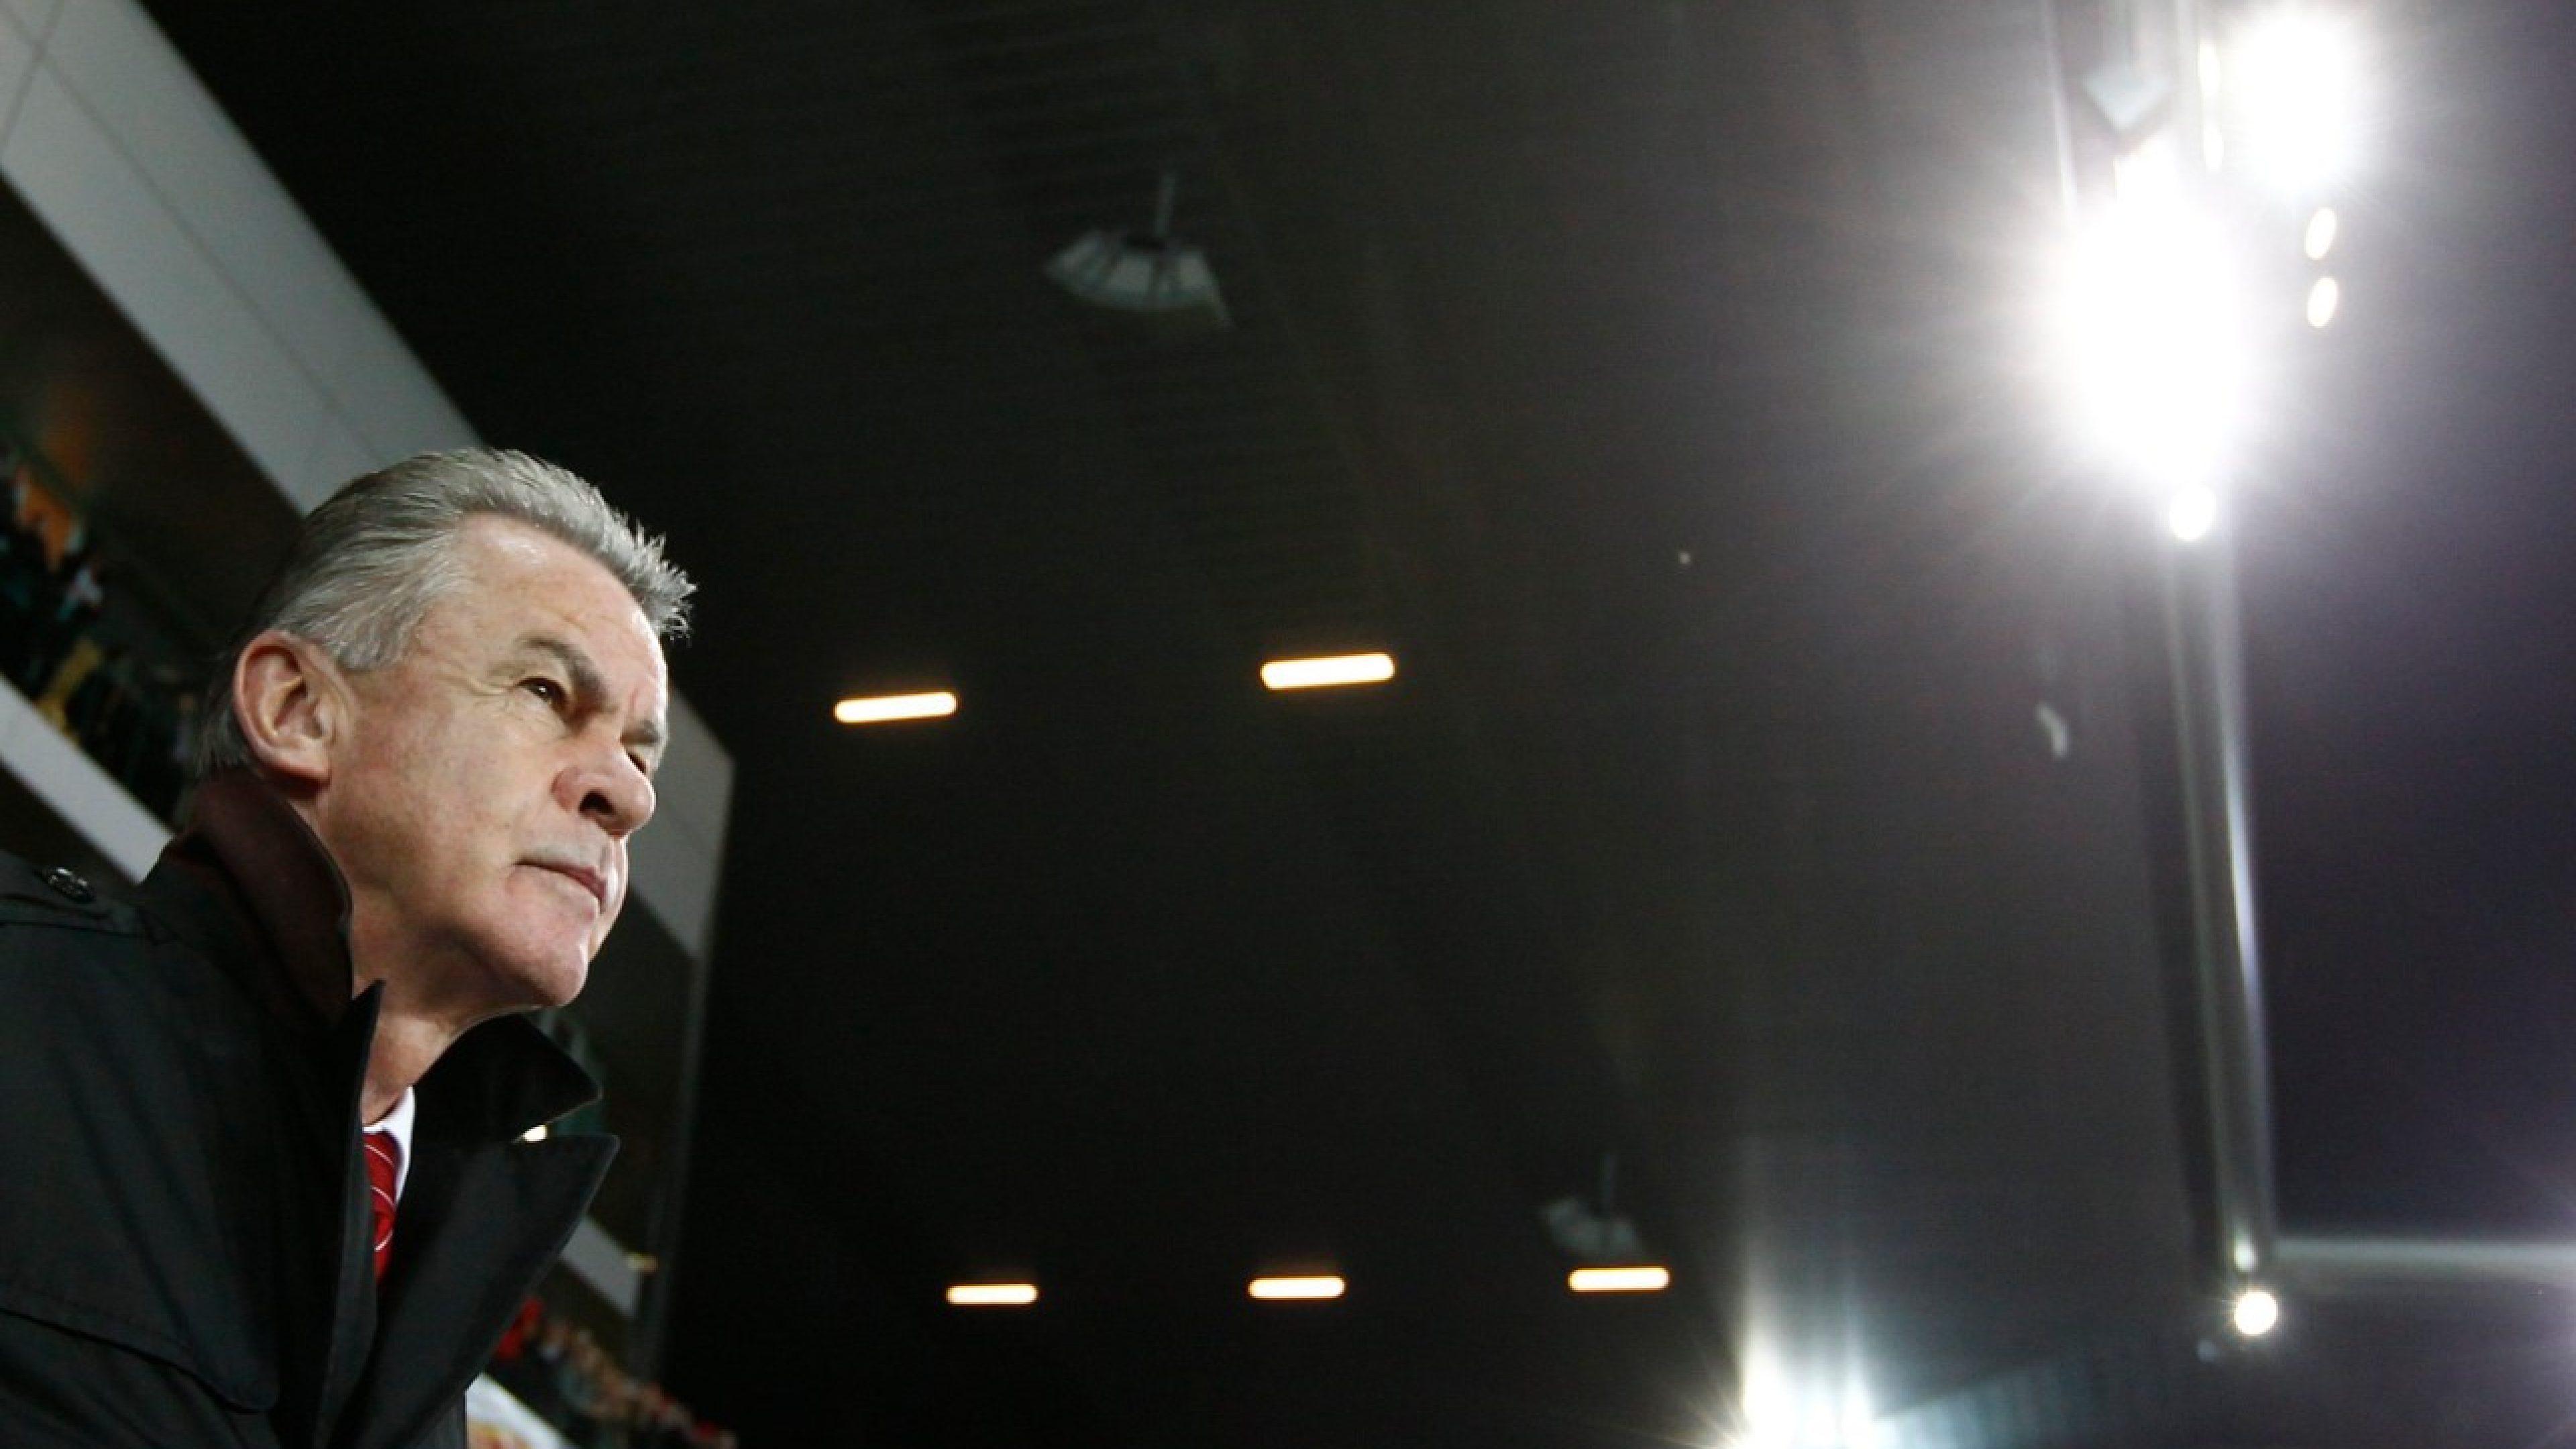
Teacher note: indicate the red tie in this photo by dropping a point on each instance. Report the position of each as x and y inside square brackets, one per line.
[384, 1160]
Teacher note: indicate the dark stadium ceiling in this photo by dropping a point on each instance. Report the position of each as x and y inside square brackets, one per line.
[1649, 380]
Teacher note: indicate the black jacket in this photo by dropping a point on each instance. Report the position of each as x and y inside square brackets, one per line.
[183, 1224]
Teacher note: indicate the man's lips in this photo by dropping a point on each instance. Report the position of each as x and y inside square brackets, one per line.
[588, 879]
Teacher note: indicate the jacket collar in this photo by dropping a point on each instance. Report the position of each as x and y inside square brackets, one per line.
[248, 872]
[249, 848]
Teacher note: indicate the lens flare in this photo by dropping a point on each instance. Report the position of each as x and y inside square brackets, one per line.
[2257, 1313]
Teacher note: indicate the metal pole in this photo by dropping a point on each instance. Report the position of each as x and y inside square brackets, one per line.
[2204, 630]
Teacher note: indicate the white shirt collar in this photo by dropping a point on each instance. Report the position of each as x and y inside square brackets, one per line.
[398, 1122]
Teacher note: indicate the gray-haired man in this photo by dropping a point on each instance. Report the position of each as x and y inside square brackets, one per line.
[264, 1182]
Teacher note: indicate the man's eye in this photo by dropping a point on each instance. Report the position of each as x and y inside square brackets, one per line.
[545, 689]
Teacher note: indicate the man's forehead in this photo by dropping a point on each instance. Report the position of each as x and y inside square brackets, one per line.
[526, 557]
[517, 568]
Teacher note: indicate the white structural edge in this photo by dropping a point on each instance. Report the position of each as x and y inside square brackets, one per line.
[604, 1264]
[76, 788]
[111, 140]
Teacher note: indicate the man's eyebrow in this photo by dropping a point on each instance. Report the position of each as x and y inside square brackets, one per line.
[645, 734]
[568, 657]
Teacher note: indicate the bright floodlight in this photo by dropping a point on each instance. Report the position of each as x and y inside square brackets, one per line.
[993, 1295]
[2323, 298]
[1326, 673]
[2150, 345]
[1778, 1409]
[2257, 1313]
[2321, 233]
[888, 708]
[2191, 513]
[1641, 1279]
[1767, 1401]
[2293, 92]
[1292, 1290]
[1857, 1426]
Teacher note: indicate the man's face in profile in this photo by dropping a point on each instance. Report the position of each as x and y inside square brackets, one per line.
[481, 802]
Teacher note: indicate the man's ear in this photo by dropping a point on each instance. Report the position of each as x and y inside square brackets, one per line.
[293, 706]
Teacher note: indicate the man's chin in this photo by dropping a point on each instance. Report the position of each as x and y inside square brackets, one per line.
[537, 985]
[558, 988]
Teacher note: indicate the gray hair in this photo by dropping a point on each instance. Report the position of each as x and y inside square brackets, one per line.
[371, 560]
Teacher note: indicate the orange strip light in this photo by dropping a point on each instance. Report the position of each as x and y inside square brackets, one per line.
[1644, 1278]
[993, 1295]
[888, 708]
[1328, 673]
[1291, 1290]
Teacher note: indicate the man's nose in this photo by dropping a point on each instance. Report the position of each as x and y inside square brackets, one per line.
[606, 785]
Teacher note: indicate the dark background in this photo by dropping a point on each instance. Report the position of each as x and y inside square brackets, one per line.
[1655, 381]
[2413, 672]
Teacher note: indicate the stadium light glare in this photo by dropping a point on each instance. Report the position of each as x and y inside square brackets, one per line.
[2150, 343]
[2294, 96]
[2257, 1313]
[2322, 230]
[1776, 1408]
[2192, 513]
[2323, 299]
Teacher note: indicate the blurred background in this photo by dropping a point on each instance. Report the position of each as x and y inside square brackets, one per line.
[1899, 670]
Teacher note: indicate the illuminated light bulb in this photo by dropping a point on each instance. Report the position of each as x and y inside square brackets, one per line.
[1644, 1278]
[992, 1295]
[2321, 233]
[534, 1134]
[2257, 1313]
[1327, 673]
[2294, 86]
[2149, 345]
[2323, 299]
[1293, 1290]
[888, 708]
[2192, 513]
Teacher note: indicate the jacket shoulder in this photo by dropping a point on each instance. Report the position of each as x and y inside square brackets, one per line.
[139, 1125]
[39, 896]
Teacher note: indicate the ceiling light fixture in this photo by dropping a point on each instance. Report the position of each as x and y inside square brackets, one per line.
[1642, 1278]
[1147, 272]
[992, 1295]
[1327, 673]
[1317, 1288]
[888, 708]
